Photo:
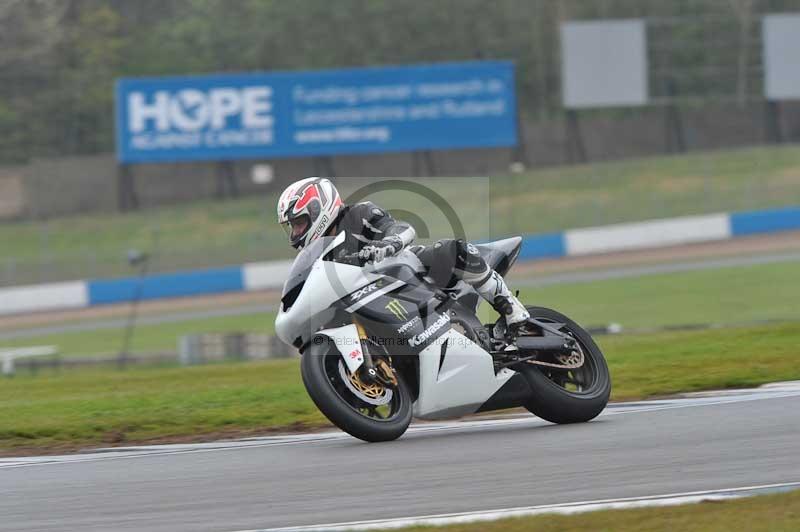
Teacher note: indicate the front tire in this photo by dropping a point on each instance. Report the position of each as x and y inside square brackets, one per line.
[324, 374]
[573, 396]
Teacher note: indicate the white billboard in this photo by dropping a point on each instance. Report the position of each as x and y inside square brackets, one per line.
[782, 56]
[603, 63]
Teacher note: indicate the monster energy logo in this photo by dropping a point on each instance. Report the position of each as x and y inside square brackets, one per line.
[396, 308]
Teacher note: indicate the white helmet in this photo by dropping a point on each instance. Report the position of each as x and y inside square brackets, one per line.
[307, 208]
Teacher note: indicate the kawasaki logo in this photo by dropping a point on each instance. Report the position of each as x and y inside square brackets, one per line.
[443, 320]
[396, 308]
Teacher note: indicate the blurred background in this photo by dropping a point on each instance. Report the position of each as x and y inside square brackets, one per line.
[584, 166]
[646, 150]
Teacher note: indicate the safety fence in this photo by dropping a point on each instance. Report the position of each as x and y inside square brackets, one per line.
[192, 349]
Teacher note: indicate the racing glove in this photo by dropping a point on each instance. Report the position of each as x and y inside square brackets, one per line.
[377, 250]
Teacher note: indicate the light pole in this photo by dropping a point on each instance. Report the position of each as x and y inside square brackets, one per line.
[141, 260]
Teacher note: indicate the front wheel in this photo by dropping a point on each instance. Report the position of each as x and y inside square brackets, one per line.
[368, 411]
[567, 396]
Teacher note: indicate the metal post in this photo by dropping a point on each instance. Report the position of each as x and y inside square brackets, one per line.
[142, 260]
[126, 191]
[423, 164]
[576, 151]
[323, 166]
[519, 153]
[226, 180]
[772, 122]
[416, 164]
[428, 157]
[675, 139]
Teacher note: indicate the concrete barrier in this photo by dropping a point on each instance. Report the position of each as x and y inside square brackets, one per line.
[9, 356]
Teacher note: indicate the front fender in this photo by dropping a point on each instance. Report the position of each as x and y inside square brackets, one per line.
[345, 339]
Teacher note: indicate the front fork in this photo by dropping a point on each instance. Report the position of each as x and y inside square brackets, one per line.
[379, 370]
[369, 366]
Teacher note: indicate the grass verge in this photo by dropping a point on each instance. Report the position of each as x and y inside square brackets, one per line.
[779, 512]
[161, 337]
[739, 294]
[726, 295]
[99, 407]
[208, 233]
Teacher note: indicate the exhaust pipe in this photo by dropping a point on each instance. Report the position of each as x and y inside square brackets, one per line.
[551, 343]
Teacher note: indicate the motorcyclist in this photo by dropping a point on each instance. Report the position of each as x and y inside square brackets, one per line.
[312, 207]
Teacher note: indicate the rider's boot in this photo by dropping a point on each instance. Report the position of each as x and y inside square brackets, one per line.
[491, 286]
[496, 292]
[493, 289]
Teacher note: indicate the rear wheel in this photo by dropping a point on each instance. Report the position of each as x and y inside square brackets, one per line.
[567, 395]
[370, 411]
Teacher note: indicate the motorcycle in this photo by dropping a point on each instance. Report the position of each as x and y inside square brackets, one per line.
[380, 344]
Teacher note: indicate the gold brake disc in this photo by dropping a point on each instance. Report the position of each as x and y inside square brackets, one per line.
[387, 371]
[373, 391]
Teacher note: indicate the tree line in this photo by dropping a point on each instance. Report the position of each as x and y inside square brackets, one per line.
[59, 58]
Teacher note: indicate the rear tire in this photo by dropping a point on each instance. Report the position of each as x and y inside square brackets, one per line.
[549, 398]
[341, 406]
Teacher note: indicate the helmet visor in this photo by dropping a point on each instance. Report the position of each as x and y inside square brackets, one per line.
[296, 228]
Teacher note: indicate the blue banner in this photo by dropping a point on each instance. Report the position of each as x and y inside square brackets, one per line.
[328, 112]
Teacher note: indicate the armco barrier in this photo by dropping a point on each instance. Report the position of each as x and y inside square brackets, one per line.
[270, 275]
[760, 222]
[69, 295]
[543, 247]
[649, 234]
[178, 284]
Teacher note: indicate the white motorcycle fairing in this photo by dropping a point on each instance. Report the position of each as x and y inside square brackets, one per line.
[456, 375]
[348, 343]
[323, 284]
[461, 384]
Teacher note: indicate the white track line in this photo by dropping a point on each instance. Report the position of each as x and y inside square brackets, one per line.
[769, 391]
[670, 499]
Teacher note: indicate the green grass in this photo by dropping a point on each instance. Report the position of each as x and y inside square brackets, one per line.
[162, 337]
[87, 407]
[654, 187]
[724, 295]
[648, 365]
[734, 295]
[95, 407]
[773, 513]
[214, 233]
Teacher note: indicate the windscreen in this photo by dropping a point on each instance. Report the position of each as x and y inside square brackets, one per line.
[302, 264]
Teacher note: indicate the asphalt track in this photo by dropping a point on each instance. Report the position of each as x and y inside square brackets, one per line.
[704, 442]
